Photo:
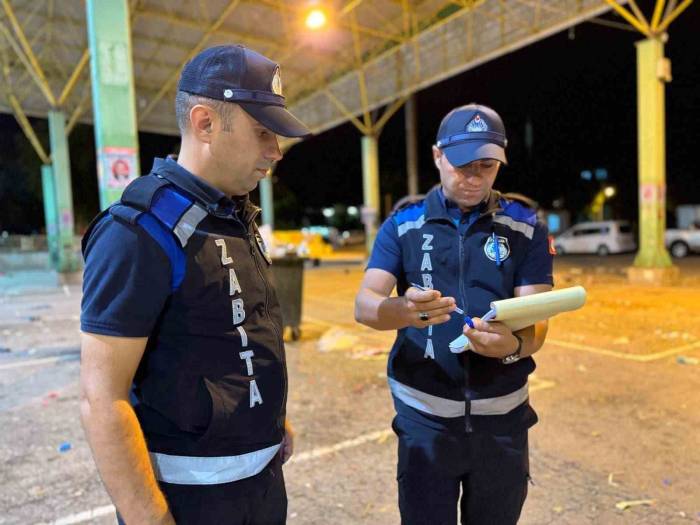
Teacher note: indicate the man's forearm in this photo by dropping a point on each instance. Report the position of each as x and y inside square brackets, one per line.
[533, 337]
[122, 459]
[379, 312]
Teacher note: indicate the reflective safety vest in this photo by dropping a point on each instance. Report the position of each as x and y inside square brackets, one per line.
[210, 391]
[480, 265]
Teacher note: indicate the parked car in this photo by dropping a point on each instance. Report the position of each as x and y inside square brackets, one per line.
[681, 242]
[601, 238]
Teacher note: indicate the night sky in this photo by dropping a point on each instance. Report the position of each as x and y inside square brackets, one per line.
[576, 88]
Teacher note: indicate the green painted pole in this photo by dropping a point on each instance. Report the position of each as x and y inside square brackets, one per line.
[267, 201]
[370, 188]
[50, 213]
[67, 262]
[114, 109]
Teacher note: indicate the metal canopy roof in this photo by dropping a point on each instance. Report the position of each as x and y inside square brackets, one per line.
[375, 52]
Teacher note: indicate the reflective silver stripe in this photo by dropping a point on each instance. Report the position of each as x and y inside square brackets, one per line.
[187, 224]
[496, 406]
[518, 226]
[439, 406]
[197, 470]
[428, 403]
[411, 225]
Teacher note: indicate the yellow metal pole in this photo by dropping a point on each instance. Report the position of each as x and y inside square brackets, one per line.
[652, 156]
[73, 80]
[640, 16]
[360, 71]
[673, 15]
[44, 84]
[628, 16]
[370, 188]
[28, 130]
[656, 18]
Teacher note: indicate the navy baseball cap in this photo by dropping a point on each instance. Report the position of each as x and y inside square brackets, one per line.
[234, 73]
[472, 132]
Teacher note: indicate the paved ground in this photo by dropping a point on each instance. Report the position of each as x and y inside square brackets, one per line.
[617, 389]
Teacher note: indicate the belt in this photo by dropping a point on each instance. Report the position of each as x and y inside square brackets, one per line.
[438, 406]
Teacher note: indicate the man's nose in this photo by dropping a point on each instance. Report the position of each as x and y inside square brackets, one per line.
[273, 152]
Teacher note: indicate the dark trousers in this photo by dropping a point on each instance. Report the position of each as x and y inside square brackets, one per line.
[258, 500]
[435, 465]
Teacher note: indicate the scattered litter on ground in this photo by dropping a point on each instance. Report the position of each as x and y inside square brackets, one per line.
[621, 340]
[64, 447]
[685, 360]
[582, 368]
[624, 505]
[595, 434]
[610, 479]
[667, 482]
[558, 509]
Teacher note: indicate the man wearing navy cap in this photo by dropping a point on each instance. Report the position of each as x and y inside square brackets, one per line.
[183, 373]
[462, 414]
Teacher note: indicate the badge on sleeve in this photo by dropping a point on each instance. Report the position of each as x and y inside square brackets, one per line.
[503, 248]
[262, 247]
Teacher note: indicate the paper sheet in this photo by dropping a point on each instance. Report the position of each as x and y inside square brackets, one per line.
[519, 312]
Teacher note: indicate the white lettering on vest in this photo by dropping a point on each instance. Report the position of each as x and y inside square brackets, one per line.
[234, 286]
[244, 336]
[426, 244]
[427, 280]
[238, 311]
[429, 352]
[255, 397]
[247, 355]
[225, 259]
[430, 330]
[426, 264]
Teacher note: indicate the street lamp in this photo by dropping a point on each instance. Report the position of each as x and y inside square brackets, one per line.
[316, 19]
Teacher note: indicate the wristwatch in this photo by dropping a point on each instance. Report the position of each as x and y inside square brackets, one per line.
[515, 356]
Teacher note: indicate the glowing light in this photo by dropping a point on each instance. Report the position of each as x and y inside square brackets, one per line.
[609, 191]
[316, 19]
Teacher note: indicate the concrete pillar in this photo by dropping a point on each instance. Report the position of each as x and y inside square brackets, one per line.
[114, 110]
[370, 188]
[651, 75]
[411, 145]
[48, 187]
[67, 262]
[267, 201]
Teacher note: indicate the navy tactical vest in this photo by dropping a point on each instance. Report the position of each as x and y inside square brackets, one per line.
[475, 267]
[212, 383]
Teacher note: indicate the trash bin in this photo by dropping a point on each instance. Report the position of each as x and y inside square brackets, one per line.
[287, 277]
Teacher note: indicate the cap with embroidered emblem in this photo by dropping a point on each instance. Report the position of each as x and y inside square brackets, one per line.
[472, 132]
[234, 73]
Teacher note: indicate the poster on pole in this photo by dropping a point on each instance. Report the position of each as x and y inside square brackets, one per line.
[117, 167]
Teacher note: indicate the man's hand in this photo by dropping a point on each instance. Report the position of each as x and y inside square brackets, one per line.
[490, 339]
[427, 307]
[287, 448]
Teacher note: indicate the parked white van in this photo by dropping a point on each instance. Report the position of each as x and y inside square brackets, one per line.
[602, 238]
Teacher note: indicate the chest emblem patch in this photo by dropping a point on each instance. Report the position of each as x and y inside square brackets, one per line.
[263, 247]
[503, 248]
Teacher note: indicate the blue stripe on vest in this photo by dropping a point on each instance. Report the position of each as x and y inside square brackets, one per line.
[409, 214]
[169, 206]
[166, 240]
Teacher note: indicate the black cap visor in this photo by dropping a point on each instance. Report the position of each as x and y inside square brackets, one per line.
[277, 119]
[466, 152]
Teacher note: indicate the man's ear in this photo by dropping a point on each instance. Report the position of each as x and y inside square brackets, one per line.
[436, 156]
[202, 122]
